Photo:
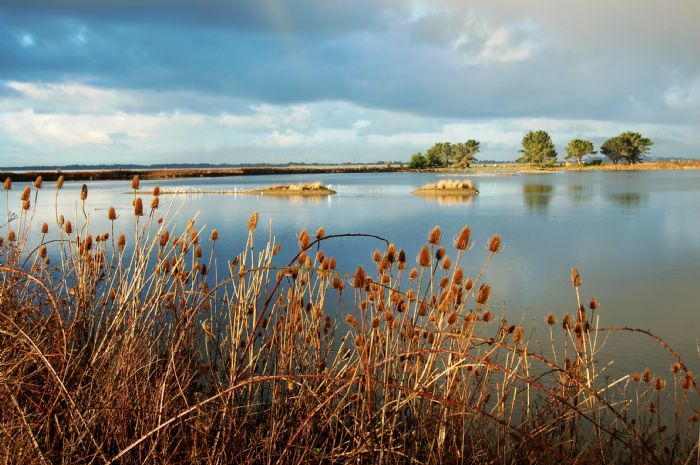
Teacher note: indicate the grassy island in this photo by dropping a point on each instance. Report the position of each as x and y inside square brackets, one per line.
[312, 189]
[448, 187]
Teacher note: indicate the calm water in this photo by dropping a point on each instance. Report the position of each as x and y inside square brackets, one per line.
[634, 236]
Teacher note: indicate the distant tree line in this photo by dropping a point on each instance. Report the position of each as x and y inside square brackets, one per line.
[538, 150]
[446, 154]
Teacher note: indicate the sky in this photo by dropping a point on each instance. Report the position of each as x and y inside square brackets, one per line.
[245, 81]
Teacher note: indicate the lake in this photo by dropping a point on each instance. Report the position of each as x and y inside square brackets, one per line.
[634, 236]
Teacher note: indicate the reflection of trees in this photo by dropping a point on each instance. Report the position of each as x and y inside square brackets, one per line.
[579, 193]
[450, 200]
[627, 199]
[537, 196]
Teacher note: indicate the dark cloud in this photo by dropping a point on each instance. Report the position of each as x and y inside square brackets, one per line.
[451, 59]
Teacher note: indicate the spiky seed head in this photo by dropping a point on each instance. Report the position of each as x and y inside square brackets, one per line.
[413, 274]
[359, 279]
[435, 235]
[468, 284]
[660, 384]
[495, 244]
[486, 316]
[155, 203]
[635, 377]
[61, 220]
[112, 214]
[550, 319]
[376, 256]
[26, 204]
[338, 284]
[198, 252]
[83, 192]
[452, 318]
[483, 295]
[8, 184]
[594, 304]
[439, 253]
[121, 242]
[566, 321]
[59, 182]
[156, 190]
[647, 375]
[88, 242]
[135, 182]
[446, 263]
[11, 236]
[688, 381]
[424, 256]
[320, 233]
[138, 207]
[38, 182]
[68, 227]
[462, 241]
[253, 221]
[675, 368]
[25, 194]
[575, 277]
[44, 228]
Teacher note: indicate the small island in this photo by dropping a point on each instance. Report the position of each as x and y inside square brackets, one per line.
[315, 189]
[448, 187]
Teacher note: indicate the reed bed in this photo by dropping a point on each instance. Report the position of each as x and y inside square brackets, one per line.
[147, 346]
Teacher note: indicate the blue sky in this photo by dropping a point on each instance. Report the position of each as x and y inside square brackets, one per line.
[154, 81]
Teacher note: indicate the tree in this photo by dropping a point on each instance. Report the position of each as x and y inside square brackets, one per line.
[418, 161]
[578, 149]
[538, 149]
[628, 146]
[438, 156]
[466, 153]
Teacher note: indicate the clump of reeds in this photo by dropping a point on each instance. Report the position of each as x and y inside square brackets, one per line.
[154, 349]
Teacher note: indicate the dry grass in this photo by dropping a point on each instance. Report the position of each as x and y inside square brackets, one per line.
[146, 348]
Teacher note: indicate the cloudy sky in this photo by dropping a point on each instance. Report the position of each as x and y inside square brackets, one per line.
[235, 81]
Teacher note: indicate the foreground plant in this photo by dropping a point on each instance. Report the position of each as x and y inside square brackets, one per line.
[142, 346]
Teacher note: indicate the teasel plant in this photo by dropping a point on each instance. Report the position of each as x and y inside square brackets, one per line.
[157, 348]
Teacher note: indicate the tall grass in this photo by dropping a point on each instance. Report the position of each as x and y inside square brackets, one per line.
[139, 345]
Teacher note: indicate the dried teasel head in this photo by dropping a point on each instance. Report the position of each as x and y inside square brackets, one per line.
[121, 241]
[253, 221]
[688, 381]
[68, 227]
[42, 251]
[83, 192]
[138, 206]
[155, 203]
[659, 384]
[61, 220]
[26, 204]
[424, 257]
[25, 194]
[675, 368]
[635, 377]
[468, 284]
[439, 253]
[8, 184]
[59, 182]
[156, 190]
[112, 214]
[495, 244]
[11, 236]
[359, 279]
[320, 233]
[135, 182]
[435, 235]
[214, 236]
[575, 278]
[38, 182]
[594, 304]
[646, 376]
[44, 228]
[550, 319]
[462, 241]
[338, 284]
[486, 317]
[376, 256]
[483, 295]
[566, 321]
[446, 263]
[413, 274]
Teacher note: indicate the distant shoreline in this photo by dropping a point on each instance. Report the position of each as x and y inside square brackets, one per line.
[493, 169]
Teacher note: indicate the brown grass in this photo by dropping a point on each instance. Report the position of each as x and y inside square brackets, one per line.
[150, 349]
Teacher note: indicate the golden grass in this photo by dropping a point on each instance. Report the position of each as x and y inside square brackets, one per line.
[448, 187]
[148, 346]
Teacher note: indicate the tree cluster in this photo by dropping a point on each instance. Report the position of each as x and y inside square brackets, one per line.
[629, 147]
[446, 154]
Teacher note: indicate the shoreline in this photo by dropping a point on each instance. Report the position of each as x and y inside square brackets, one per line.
[505, 169]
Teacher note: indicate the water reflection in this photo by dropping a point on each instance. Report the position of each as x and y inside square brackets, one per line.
[537, 196]
[579, 193]
[628, 200]
[450, 200]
